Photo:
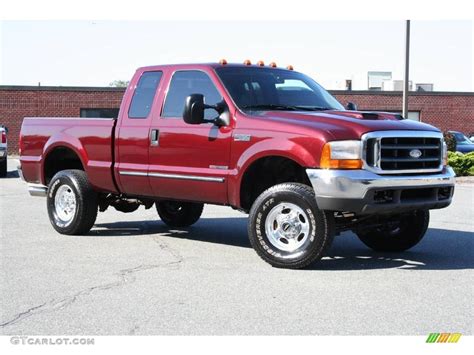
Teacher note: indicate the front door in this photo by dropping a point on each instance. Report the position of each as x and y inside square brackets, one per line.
[189, 162]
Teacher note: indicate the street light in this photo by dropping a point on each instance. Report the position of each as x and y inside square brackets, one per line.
[407, 70]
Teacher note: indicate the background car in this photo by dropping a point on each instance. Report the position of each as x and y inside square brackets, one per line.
[463, 144]
[3, 151]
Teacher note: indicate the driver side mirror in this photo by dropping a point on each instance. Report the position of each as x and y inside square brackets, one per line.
[194, 108]
[351, 106]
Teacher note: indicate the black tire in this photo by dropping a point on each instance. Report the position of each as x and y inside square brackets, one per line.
[179, 213]
[3, 167]
[72, 183]
[310, 232]
[402, 232]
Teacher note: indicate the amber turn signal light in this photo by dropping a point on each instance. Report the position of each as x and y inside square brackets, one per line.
[247, 62]
[223, 62]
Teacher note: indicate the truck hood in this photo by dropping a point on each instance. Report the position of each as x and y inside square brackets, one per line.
[345, 124]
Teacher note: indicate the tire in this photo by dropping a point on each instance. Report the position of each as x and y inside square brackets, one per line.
[3, 167]
[286, 228]
[70, 218]
[179, 213]
[403, 232]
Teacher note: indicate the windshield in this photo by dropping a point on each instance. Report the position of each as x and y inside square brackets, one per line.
[259, 89]
[461, 138]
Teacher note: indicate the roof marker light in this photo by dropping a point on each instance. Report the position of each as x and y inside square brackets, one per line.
[289, 67]
[273, 64]
[247, 62]
[223, 61]
[260, 63]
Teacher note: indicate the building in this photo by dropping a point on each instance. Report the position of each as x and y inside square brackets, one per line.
[446, 110]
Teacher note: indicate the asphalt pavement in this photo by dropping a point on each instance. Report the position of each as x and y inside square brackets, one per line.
[133, 275]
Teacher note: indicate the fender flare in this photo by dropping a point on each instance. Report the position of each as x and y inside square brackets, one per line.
[268, 148]
[66, 141]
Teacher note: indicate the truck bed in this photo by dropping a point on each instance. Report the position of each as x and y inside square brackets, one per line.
[90, 138]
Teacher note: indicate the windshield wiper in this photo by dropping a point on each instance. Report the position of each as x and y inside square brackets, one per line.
[269, 107]
[285, 107]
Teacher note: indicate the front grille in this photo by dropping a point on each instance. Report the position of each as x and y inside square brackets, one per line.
[403, 152]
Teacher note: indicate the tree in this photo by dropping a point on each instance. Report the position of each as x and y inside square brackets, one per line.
[450, 141]
[119, 83]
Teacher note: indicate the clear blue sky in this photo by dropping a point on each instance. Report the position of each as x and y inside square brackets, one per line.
[94, 53]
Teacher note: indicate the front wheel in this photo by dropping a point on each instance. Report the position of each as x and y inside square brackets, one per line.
[72, 203]
[179, 213]
[399, 233]
[287, 229]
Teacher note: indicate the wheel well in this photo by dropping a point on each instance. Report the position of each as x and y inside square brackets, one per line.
[267, 172]
[60, 158]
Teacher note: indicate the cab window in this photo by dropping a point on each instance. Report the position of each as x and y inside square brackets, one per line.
[185, 83]
[144, 94]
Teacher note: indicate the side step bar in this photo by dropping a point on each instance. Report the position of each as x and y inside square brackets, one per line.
[37, 190]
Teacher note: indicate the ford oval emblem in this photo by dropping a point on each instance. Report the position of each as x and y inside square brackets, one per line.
[415, 153]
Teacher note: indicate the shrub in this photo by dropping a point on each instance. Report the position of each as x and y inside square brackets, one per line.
[462, 164]
[450, 141]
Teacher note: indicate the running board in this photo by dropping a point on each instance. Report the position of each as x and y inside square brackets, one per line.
[37, 190]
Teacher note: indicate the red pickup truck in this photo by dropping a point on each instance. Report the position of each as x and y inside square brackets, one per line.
[268, 141]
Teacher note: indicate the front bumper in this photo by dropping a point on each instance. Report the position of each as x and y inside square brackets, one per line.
[364, 192]
[3, 152]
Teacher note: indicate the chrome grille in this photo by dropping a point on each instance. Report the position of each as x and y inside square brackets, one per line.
[402, 152]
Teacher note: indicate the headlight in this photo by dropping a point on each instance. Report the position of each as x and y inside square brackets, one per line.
[445, 153]
[341, 155]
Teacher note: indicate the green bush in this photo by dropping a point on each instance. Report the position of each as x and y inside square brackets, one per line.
[462, 164]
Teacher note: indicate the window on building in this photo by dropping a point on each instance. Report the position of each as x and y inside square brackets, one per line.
[414, 115]
[99, 112]
[144, 94]
[185, 83]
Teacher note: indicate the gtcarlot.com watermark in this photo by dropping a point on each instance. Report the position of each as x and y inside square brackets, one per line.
[31, 340]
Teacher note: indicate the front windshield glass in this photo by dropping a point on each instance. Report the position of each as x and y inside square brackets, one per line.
[461, 138]
[263, 89]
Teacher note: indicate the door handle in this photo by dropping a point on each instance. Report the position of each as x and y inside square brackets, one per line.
[154, 137]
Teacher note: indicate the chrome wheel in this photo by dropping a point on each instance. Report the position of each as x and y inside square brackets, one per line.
[287, 226]
[65, 205]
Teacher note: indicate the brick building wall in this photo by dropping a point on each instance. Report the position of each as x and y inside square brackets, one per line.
[19, 102]
[446, 110]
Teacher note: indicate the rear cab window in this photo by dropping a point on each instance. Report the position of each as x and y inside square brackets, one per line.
[145, 92]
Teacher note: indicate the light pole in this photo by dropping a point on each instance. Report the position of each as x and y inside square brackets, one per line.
[407, 70]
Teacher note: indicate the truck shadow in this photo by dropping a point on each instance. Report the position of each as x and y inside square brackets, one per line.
[441, 249]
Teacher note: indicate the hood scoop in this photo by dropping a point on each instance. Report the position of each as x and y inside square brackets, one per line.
[370, 115]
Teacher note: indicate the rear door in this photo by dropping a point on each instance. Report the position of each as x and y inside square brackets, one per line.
[133, 137]
[189, 162]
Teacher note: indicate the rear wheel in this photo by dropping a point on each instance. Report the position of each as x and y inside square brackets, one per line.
[3, 167]
[72, 203]
[179, 213]
[400, 233]
[287, 229]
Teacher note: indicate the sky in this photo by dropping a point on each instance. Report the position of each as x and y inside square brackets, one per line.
[95, 53]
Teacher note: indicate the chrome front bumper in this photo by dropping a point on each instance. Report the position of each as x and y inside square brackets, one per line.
[359, 191]
[3, 152]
